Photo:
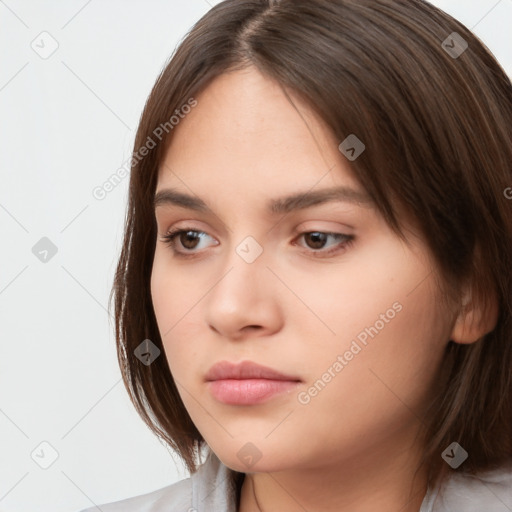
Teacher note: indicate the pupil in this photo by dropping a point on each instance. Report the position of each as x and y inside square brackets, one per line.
[190, 236]
[319, 242]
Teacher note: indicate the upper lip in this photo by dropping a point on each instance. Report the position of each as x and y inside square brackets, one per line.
[245, 370]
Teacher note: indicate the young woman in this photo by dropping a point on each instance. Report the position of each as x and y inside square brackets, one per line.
[315, 287]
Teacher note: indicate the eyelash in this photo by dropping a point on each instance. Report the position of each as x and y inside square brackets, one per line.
[169, 240]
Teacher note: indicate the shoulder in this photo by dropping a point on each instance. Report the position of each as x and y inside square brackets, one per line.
[490, 490]
[176, 496]
[209, 488]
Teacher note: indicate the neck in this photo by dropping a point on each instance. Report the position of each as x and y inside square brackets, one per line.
[385, 481]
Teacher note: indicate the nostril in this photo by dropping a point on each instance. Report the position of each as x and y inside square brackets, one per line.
[252, 327]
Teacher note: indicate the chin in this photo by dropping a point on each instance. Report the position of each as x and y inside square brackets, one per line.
[258, 457]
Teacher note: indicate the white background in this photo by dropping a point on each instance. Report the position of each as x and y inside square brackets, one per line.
[67, 123]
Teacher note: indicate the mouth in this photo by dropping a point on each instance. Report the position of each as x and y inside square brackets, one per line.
[247, 383]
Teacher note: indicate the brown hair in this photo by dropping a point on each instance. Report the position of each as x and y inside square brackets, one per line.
[438, 134]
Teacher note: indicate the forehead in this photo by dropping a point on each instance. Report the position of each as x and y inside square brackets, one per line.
[245, 137]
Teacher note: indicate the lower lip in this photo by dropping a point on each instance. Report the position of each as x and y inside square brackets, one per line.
[248, 391]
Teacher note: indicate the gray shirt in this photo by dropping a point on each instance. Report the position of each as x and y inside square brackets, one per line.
[210, 490]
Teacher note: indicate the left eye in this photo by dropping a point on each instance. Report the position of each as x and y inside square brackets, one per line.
[318, 238]
[189, 239]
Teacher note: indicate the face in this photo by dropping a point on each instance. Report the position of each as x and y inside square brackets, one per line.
[322, 292]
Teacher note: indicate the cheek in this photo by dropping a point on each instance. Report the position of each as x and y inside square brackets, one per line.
[392, 356]
[387, 321]
[172, 293]
[352, 294]
[177, 304]
[172, 300]
[382, 384]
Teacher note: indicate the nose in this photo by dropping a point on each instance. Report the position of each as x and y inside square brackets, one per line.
[245, 299]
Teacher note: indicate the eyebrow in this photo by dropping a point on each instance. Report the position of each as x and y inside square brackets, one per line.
[282, 205]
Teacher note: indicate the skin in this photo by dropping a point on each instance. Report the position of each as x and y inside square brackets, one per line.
[356, 444]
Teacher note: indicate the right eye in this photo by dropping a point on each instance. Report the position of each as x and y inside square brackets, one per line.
[188, 239]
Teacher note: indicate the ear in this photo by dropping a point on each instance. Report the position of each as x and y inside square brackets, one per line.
[475, 318]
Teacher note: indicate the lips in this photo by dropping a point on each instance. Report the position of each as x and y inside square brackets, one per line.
[247, 383]
[245, 370]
